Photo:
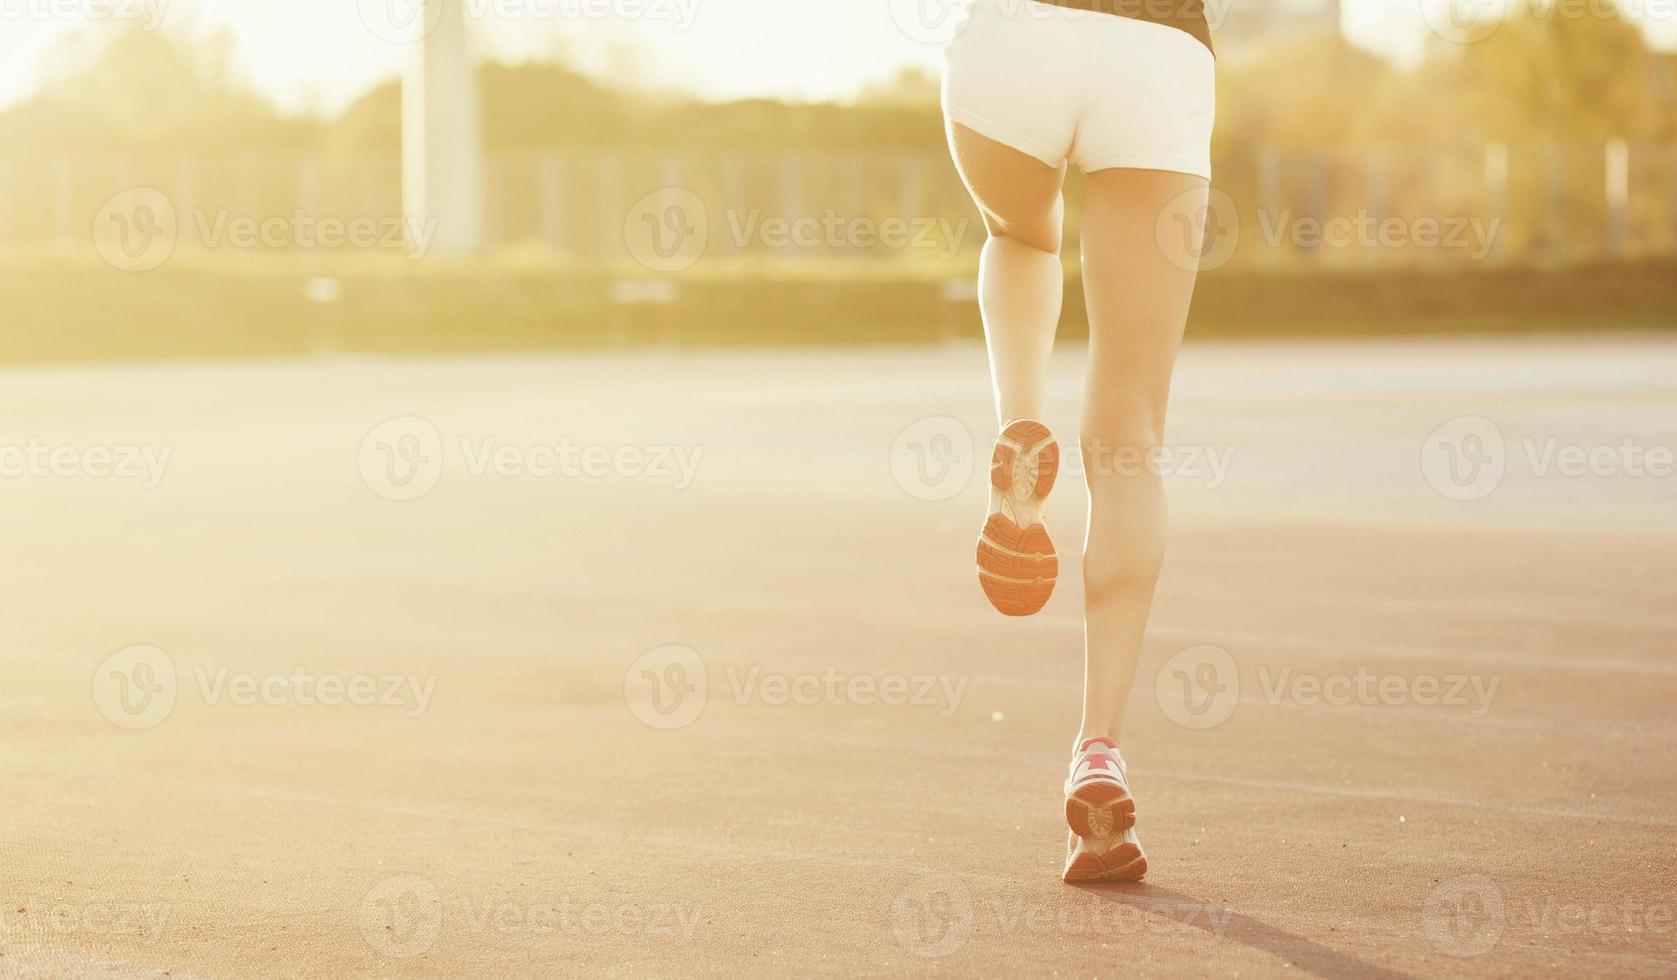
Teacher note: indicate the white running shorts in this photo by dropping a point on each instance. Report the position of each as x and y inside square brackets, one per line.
[1088, 87]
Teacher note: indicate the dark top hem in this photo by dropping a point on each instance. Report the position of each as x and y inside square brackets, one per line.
[1184, 15]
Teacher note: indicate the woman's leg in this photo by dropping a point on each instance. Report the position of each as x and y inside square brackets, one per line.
[1020, 279]
[1138, 299]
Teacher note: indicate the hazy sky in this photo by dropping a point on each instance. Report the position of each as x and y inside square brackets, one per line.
[321, 53]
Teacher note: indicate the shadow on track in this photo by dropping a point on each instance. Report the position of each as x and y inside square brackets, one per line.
[1302, 953]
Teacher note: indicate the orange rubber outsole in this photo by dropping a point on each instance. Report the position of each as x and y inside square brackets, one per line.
[1017, 566]
[1099, 810]
[1123, 863]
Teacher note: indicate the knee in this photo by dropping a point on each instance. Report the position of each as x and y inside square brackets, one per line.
[1035, 239]
[1113, 455]
[1128, 569]
[1042, 232]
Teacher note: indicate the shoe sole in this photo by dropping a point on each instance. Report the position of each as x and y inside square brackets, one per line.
[1100, 809]
[1017, 564]
[1123, 863]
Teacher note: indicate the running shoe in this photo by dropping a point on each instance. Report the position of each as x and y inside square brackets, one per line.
[1118, 858]
[1098, 800]
[1101, 814]
[1017, 565]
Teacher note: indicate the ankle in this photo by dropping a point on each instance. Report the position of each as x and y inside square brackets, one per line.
[1108, 732]
[1087, 737]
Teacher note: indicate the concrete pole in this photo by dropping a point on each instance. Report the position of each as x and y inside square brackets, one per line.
[1618, 195]
[442, 150]
[553, 200]
[1496, 190]
[1555, 229]
[1269, 197]
[63, 203]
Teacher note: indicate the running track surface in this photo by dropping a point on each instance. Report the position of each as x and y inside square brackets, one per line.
[1378, 731]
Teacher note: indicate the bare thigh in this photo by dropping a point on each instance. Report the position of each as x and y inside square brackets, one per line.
[1018, 195]
[1139, 281]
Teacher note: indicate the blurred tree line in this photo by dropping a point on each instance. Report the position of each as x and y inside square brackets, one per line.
[1541, 77]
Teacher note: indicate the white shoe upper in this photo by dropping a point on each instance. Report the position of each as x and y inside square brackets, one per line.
[1097, 761]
